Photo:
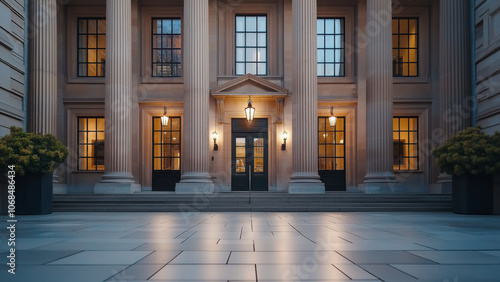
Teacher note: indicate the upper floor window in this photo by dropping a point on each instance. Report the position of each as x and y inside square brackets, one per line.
[91, 143]
[166, 48]
[405, 140]
[251, 45]
[331, 47]
[91, 46]
[405, 47]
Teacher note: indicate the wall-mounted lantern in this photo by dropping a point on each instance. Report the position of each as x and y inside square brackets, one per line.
[215, 135]
[164, 118]
[249, 110]
[284, 136]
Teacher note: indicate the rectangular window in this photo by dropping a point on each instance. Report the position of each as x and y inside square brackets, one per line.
[167, 144]
[405, 47]
[91, 47]
[166, 47]
[91, 143]
[331, 46]
[405, 141]
[331, 144]
[251, 45]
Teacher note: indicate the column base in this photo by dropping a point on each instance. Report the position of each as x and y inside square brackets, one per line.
[116, 188]
[305, 183]
[118, 177]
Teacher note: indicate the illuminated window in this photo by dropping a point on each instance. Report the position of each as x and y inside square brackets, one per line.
[251, 45]
[331, 144]
[91, 143]
[331, 48]
[167, 144]
[405, 47]
[91, 46]
[405, 141]
[167, 43]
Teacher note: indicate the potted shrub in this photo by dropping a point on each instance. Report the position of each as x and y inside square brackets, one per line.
[34, 158]
[471, 157]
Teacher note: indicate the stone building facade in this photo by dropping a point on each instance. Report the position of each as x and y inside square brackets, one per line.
[396, 75]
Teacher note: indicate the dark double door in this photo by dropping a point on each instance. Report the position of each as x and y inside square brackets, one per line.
[249, 155]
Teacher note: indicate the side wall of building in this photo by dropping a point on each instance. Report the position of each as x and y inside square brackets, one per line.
[12, 64]
[487, 64]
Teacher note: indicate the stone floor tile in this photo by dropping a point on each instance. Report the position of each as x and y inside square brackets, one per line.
[383, 257]
[474, 273]
[102, 258]
[205, 272]
[299, 272]
[458, 257]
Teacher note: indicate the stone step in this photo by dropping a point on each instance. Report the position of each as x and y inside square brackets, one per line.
[170, 202]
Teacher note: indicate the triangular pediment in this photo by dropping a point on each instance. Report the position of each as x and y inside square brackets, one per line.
[249, 85]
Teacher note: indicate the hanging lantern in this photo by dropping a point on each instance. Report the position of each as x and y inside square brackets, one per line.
[249, 110]
[164, 118]
[332, 118]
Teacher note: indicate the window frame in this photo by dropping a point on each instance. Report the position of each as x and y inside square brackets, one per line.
[74, 13]
[407, 143]
[335, 144]
[424, 59]
[245, 62]
[162, 130]
[78, 34]
[343, 49]
[398, 34]
[171, 49]
[146, 47]
[350, 44]
[79, 143]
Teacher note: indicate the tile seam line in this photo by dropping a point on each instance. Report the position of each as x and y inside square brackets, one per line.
[342, 272]
[402, 270]
[164, 266]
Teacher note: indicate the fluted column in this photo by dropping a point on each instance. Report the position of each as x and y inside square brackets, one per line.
[118, 177]
[196, 177]
[454, 69]
[379, 143]
[305, 178]
[43, 67]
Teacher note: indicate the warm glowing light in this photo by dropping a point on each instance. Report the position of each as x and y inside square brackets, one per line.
[332, 118]
[164, 118]
[284, 135]
[249, 110]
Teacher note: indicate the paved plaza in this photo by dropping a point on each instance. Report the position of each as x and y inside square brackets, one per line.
[192, 246]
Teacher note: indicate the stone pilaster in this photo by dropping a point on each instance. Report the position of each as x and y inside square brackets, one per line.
[43, 67]
[196, 177]
[379, 143]
[117, 176]
[305, 178]
[454, 70]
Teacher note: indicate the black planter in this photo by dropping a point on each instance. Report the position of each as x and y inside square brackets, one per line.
[473, 194]
[33, 194]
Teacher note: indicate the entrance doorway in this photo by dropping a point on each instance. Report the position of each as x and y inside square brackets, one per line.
[331, 145]
[166, 154]
[249, 154]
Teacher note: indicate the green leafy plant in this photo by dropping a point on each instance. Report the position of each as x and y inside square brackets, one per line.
[469, 152]
[31, 153]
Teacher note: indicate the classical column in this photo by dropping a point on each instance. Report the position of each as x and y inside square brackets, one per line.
[454, 70]
[43, 67]
[117, 176]
[196, 177]
[42, 116]
[305, 178]
[379, 143]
